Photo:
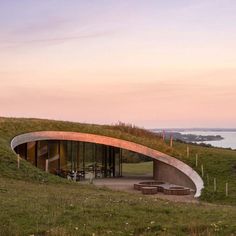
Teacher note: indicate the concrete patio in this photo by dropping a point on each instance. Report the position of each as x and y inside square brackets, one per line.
[126, 184]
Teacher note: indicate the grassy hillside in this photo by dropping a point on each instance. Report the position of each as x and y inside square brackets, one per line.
[34, 202]
[217, 163]
[33, 208]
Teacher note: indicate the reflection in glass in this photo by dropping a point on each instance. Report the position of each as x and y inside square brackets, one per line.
[22, 150]
[67, 157]
[53, 156]
[31, 152]
[42, 154]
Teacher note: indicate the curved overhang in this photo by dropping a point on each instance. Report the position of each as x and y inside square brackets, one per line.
[115, 142]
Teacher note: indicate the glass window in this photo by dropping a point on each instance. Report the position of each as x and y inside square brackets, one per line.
[42, 154]
[89, 157]
[22, 150]
[31, 148]
[80, 156]
[117, 162]
[99, 163]
[53, 156]
[64, 157]
[74, 154]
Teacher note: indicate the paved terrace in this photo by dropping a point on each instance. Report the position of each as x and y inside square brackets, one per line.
[126, 184]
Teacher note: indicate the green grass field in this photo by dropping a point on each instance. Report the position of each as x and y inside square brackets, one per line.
[36, 203]
[74, 209]
[142, 168]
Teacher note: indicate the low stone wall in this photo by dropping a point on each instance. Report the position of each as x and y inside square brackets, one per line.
[177, 191]
[149, 190]
[166, 188]
[156, 184]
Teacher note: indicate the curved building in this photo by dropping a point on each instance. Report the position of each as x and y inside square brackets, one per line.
[62, 153]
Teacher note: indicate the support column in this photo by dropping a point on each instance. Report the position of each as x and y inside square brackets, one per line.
[46, 165]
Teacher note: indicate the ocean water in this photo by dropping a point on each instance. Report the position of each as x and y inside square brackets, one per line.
[229, 140]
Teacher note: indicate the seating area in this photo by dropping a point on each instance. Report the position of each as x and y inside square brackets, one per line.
[71, 175]
[177, 191]
[149, 190]
[153, 187]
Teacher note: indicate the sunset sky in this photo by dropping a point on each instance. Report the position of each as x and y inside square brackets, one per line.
[152, 63]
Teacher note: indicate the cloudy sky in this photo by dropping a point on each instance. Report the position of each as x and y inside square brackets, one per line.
[152, 63]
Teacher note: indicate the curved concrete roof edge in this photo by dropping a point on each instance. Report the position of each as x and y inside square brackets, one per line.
[106, 140]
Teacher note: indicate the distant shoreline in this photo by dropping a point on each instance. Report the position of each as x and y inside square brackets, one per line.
[226, 138]
[195, 129]
[190, 137]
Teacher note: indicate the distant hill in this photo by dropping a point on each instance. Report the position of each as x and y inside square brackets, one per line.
[191, 137]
